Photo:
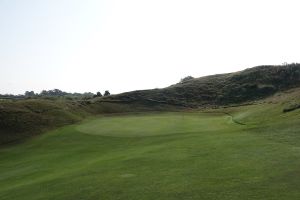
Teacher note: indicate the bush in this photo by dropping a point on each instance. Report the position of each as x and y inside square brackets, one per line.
[185, 79]
[106, 93]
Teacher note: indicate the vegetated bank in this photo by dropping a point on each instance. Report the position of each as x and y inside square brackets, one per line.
[222, 89]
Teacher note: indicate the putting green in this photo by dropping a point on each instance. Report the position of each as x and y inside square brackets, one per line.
[154, 125]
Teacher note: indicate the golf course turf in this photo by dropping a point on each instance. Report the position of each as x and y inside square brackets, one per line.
[179, 155]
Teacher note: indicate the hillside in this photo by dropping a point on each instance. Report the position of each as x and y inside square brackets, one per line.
[222, 89]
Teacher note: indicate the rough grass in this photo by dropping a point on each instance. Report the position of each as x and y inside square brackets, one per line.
[161, 156]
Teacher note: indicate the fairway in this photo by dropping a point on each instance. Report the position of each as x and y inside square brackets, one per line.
[163, 156]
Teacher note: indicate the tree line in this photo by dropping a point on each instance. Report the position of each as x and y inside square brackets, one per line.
[55, 93]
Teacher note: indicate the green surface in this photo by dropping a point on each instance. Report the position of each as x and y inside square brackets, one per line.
[160, 156]
[143, 125]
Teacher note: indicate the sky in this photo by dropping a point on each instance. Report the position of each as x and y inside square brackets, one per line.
[125, 45]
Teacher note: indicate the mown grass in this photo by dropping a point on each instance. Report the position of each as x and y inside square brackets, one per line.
[160, 156]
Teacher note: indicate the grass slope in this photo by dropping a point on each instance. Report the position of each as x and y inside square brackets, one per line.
[24, 118]
[161, 156]
[222, 89]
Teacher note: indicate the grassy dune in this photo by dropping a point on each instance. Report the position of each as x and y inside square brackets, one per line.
[177, 155]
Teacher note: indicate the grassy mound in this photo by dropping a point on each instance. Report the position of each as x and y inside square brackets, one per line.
[24, 118]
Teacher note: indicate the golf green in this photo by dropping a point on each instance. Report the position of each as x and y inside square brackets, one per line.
[141, 125]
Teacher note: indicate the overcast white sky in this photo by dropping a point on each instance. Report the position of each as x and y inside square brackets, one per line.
[124, 45]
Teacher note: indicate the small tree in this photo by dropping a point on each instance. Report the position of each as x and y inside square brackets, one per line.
[44, 93]
[106, 93]
[29, 93]
[185, 79]
[99, 94]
